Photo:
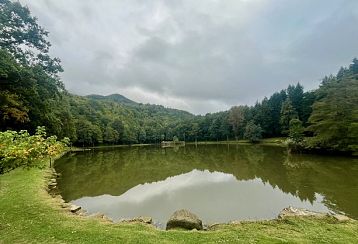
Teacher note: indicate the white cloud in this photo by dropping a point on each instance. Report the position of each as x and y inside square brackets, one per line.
[198, 55]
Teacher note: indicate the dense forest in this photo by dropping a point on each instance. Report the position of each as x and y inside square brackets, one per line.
[32, 94]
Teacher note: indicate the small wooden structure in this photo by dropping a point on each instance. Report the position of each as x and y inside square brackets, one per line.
[165, 144]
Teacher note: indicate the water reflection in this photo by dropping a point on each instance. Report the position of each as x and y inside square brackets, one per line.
[218, 182]
[215, 196]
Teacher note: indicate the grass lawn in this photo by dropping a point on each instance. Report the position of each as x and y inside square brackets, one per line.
[29, 215]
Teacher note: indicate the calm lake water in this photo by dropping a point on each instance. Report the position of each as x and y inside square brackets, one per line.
[219, 183]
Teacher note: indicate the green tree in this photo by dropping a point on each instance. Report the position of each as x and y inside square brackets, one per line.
[263, 117]
[295, 95]
[110, 135]
[296, 130]
[287, 114]
[308, 99]
[118, 126]
[88, 133]
[275, 104]
[21, 35]
[253, 132]
[353, 67]
[237, 119]
[334, 118]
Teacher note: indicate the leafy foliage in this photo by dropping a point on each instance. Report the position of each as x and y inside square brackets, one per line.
[21, 149]
[287, 114]
[296, 130]
[253, 132]
[21, 36]
[334, 119]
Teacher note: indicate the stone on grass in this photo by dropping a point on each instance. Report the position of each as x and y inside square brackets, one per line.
[140, 219]
[143, 219]
[235, 222]
[341, 218]
[185, 220]
[291, 212]
[74, 208]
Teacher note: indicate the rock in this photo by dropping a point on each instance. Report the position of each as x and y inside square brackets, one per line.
[53, 181]
[100, 216]
[74, 208]
[53, 184]
[96, 215]
[65, 205]
[341, 218]
[235, 222]
[184, 219]
[59, 199]
[291, 211]
[143, 219]
[213, 226]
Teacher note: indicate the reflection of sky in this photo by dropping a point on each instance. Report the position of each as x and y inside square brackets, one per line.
[213, 196]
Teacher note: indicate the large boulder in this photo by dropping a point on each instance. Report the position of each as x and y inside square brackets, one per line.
[184, 219]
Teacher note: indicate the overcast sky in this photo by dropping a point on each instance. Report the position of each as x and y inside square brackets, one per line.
[198, 55]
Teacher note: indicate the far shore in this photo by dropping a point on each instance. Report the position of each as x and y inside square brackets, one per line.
[277, 141]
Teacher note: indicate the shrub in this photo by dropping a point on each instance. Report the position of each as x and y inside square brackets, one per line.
[20, 149]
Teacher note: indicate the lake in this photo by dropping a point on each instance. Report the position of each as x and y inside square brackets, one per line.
[219, 183]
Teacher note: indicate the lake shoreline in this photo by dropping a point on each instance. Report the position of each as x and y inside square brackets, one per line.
[269, 142]
[69, 206]
[50, 221]
[275, 141]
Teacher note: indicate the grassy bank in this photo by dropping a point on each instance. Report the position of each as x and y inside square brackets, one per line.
[29, 214]
[277, 141]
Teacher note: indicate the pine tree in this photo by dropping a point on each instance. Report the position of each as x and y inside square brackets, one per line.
[287, 114]
[334, 119]
[296, 130]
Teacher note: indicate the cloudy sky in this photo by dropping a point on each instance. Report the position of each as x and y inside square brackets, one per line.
[202, 55]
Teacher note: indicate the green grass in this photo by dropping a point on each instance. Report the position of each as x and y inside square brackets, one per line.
[29, 215]
[277, 141]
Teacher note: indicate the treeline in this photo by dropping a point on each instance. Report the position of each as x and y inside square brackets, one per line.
[32, 95]
[325, 119]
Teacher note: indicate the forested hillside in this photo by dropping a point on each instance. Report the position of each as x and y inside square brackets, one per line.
[32, 95]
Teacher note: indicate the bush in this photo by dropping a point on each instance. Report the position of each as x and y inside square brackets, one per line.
[22, 149]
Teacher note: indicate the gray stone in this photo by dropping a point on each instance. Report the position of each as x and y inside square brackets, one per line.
[75, 208]
[144, 219]
[100, 216]
[184, 219]
[141, 219]
[235, 222]
[291, 212]
[341, 218]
